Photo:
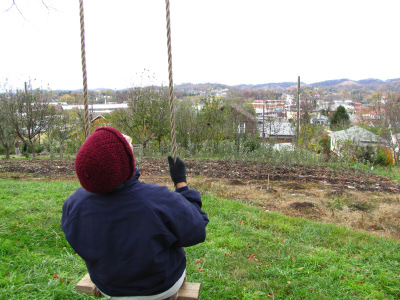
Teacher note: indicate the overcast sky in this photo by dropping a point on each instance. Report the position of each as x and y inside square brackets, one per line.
[221, 41]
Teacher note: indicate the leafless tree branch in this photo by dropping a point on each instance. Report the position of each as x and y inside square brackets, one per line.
[44, 3]
[16, 7]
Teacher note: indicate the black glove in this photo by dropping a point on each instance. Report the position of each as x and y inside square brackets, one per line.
[177, 170]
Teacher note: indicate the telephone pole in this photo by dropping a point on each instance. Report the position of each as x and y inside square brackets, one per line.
[298, 109]
[263, 123]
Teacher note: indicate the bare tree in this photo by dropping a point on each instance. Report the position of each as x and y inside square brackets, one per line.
[61, 130]
[28, 111]
[186, 123]
[7, 131]
[390, 125]
[14, 5]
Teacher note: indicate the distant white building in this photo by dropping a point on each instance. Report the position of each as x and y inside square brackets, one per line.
[349, 106]
[323, 105]
[319, 119]
[277, 129]
[357, 136]
[97, 109]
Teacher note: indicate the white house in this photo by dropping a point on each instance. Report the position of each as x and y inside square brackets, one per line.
[319, 119]
[357, 136]
[277, 129]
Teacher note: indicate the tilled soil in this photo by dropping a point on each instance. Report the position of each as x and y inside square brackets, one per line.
[234, 170]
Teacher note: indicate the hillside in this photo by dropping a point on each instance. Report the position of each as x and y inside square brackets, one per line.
[369, 83]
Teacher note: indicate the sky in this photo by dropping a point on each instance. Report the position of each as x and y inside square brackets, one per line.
[219, 41]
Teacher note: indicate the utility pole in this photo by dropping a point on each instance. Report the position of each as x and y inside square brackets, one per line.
[298, 109]
[263, 124]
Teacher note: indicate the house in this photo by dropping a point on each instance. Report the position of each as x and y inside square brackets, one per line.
[271, 109]
[247, 122]
[277, 129]
[356, 135]
[319, 119]
[99, 121]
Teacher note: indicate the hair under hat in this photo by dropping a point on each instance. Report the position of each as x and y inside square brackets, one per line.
[104, 161]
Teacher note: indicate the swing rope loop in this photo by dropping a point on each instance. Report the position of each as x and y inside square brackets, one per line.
[171, 83]
[83, 55]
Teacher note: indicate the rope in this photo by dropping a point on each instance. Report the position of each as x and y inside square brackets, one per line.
[83, 54]
[171, 84]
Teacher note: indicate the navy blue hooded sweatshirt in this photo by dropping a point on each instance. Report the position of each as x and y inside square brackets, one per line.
[131, 239]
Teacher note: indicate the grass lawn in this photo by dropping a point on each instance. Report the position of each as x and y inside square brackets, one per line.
[248, 254]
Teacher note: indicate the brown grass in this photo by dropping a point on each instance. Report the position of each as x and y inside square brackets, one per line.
[374, 212]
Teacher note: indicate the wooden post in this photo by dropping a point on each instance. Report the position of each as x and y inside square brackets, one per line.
[298, 109]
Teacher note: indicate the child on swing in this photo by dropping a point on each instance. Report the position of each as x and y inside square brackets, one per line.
[130, 234]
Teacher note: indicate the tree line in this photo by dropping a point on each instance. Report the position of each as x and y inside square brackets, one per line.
[30, 122]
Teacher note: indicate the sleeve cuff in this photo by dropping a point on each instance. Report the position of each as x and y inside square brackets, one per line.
[182, 189]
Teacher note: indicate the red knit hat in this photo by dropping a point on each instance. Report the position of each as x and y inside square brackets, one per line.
[104, 161]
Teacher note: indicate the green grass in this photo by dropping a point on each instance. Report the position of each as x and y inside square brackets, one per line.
[248, 254]
[390, 172]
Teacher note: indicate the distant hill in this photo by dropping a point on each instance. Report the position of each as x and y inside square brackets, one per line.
[327, 83]
[349, 83]
[370, 81]
[283, 85]
[330, 82]
[344, 82]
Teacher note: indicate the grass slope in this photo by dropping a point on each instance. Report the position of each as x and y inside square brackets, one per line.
[248, 254]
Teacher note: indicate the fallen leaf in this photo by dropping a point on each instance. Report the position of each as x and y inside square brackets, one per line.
[253, 257]
[58, 277]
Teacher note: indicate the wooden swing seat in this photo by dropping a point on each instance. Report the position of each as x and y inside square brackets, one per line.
[188, 291]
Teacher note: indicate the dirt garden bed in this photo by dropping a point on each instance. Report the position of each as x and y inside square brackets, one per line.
[219, 169]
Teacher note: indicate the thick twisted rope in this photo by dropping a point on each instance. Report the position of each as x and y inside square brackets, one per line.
[171, 84]
[83, 54]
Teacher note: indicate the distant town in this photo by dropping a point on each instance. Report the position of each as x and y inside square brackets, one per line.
[323, 118]
[274, 104]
